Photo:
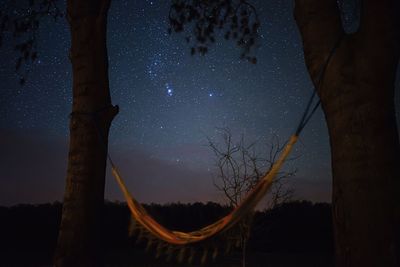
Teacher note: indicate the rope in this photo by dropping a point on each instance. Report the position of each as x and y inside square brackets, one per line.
[320, 77]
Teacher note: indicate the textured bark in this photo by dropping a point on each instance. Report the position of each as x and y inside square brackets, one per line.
[79, 241]
[357, 97]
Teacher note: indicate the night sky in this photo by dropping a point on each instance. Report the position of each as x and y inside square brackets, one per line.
[169, 103]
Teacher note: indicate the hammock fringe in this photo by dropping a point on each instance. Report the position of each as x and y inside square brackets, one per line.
[143, 222]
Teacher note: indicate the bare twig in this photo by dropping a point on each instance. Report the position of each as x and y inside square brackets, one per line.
[240, 167]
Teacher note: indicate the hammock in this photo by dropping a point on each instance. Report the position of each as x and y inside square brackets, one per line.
[140, 215]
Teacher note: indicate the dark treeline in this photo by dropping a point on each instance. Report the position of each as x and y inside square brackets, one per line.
[29, 232]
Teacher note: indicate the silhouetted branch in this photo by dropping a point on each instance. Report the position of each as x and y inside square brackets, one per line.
[22, 19]
[240, 168]
[238, 19]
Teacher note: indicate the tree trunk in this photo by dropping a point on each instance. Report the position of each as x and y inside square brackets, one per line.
[357, 96]
[79, 241]
[244, 247]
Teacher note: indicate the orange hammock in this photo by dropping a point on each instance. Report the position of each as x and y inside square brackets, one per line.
[140, 215]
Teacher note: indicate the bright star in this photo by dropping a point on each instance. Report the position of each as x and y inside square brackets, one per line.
[170, 90]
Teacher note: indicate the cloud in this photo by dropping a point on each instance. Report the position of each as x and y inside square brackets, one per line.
[154, 180]
[33, 166]
[33, 170]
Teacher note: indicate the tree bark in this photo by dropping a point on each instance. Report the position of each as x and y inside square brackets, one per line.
[357, 96]
[79, 241]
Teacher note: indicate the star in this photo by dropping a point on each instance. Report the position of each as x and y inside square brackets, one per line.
[170, 90]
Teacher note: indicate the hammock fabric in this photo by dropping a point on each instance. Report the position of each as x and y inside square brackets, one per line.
[140, 215]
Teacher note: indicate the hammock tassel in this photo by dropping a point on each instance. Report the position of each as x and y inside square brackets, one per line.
[204, 257]
[170, 253]
[159, 250]
[133, 226]
[150, 242]
[181, 254]
[192, 254]
[215, 253]
[140, 236]
[228, 247]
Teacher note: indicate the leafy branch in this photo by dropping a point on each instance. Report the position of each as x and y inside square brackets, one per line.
[22, 19]
[238, 19]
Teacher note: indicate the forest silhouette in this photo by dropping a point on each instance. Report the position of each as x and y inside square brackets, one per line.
[29, 232]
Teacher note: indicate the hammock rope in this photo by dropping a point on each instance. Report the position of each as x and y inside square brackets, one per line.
[157, 230]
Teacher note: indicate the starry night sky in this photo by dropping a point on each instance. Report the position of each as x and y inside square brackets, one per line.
[169, 103]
